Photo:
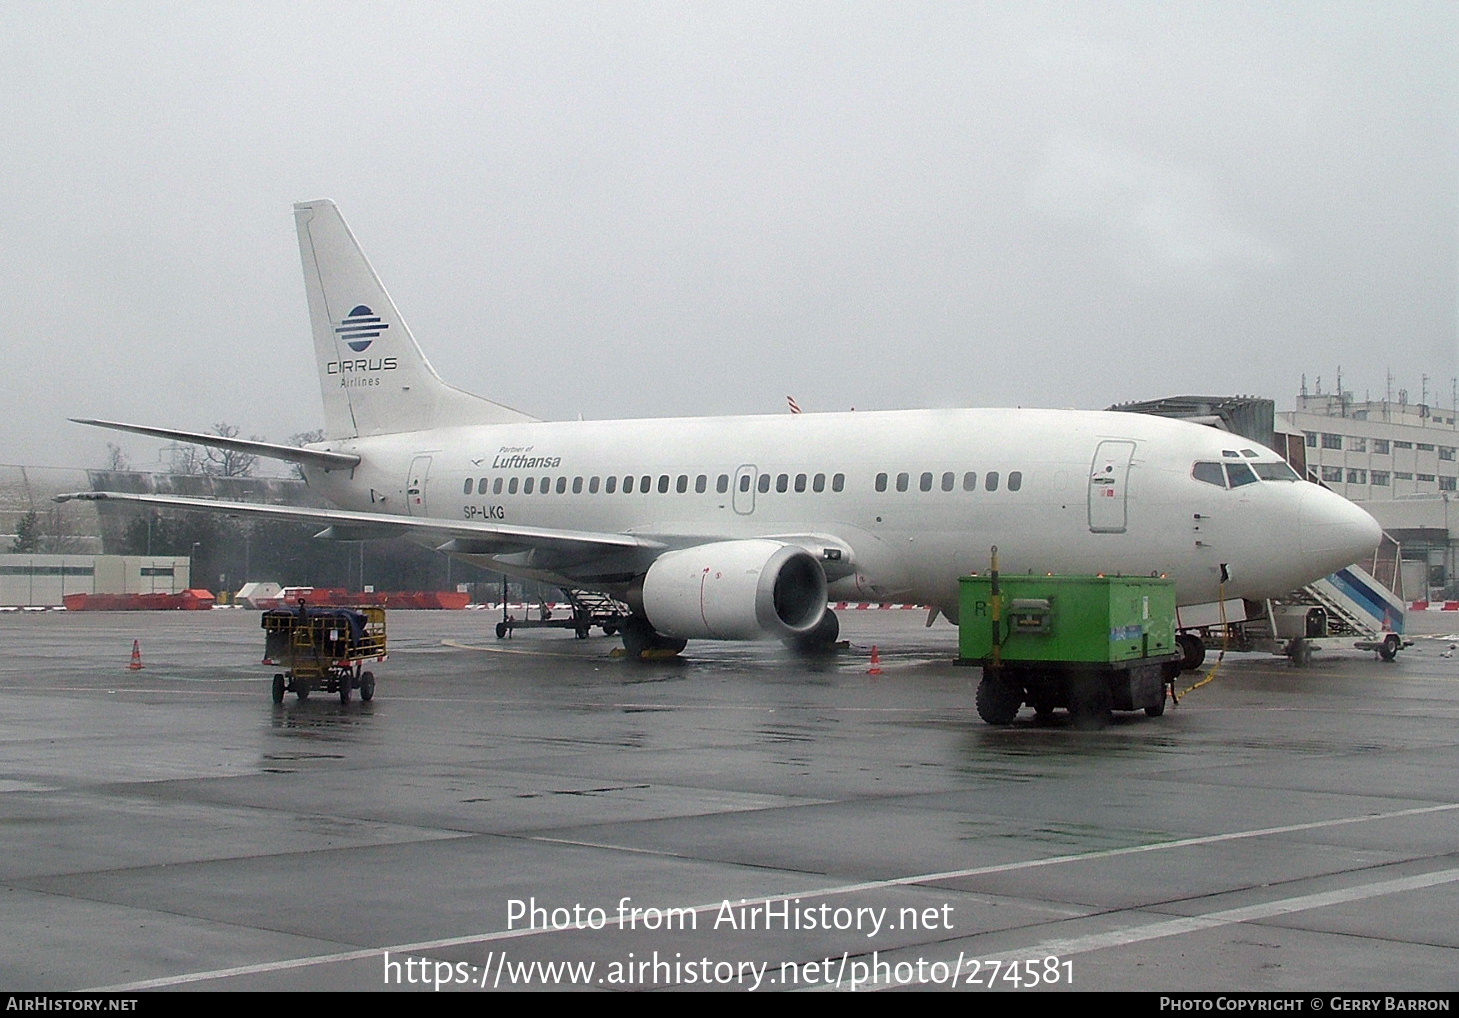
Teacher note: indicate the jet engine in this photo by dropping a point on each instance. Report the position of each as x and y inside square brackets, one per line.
[735, 590]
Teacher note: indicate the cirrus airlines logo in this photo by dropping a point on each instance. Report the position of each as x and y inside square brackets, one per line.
[361, 328]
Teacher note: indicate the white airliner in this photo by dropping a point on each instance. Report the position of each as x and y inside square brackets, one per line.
[740, 528]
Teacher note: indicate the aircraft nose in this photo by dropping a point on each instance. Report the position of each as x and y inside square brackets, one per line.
[1335, 533]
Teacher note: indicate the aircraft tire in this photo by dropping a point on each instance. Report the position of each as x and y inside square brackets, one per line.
[278, 688]
[1193, 651]
[820, 639]
[998, 700]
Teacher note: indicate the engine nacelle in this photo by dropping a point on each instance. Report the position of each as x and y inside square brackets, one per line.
[735, 590]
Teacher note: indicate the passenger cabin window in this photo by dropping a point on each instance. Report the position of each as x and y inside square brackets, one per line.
[925, 481]
[764, 485]
[527, 485]
[562, 485]
[990, 482]
[512, 486]
[1211, 473]
[800, 482]
[838, 482]
[1015, 480]
[949, 479]
[904, 480]
[466, 489]
[610, 484]
[722, 484]
[782, 482]
[818, 484]
[1239, 474]
[496, 486]
[481, 486]
[628, 485]
[593, 484]
[745, 482]
[970, 481]
[681, 484]
[577, 485]
[701, 484]
[663, 484]
[645, 484]
[881, 482]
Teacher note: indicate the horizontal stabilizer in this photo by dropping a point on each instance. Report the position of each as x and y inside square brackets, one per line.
[288, 453]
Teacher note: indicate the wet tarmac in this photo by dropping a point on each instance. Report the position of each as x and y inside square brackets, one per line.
[755, 820]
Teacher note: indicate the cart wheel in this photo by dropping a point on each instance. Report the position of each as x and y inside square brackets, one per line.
[344, 689]
[582, 632]
[1389, 650]
[279, 688]
[610, 630]
[501, 630]
[367, 686]
[301, 688]
[998, 700]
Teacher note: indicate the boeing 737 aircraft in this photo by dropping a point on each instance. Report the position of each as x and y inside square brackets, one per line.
[742, 528]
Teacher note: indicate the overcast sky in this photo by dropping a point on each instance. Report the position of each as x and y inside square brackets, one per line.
[668, 209]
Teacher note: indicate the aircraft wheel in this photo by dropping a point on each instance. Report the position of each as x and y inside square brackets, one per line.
[1193, 651]
[367, 686]
[820, 639]
[1389, 650]
[279, 688]
[998, 700]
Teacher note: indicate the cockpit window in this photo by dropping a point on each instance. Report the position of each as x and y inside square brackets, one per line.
[1229, 453]
[1210, 473]
[1239, 474]
[1249, 453]
[1275, 472]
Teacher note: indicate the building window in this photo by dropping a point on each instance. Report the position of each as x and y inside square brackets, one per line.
[1402, 445]
[1426, 446]
[1311, 439]
[1380, 446]
[1380, 478]
[1332, 474]
[1357, 477]
[1357, 444]
[1331, 441]
[1446, 483]
[1426, 477]
[1402, 475]
[1446, 452]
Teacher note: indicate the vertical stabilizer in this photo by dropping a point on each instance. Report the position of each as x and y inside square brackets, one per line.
[373, 376]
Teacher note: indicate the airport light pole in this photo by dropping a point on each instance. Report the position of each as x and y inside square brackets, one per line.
[192, 562]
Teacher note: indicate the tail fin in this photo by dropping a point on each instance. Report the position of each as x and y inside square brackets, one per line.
[373, 376]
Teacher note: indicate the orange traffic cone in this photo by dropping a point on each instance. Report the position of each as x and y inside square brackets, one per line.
[136, 664]
[875, 668]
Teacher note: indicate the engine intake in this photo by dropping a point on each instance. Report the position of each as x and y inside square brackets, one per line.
[735, 590]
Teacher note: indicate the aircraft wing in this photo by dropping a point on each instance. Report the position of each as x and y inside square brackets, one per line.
[479, 537]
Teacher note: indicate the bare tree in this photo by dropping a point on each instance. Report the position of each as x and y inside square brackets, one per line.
[229, 462]
[302, 439]
[115, 458]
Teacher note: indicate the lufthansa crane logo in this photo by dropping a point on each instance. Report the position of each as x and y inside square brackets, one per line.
[361, 328]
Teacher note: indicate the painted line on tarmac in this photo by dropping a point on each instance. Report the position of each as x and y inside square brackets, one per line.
[1095, 942]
